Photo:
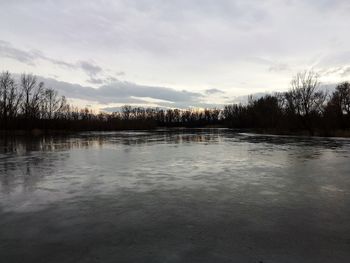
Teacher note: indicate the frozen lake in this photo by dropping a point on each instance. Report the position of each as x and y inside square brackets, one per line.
[180, 196]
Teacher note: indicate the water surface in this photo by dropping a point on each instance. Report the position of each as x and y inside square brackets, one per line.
[174, 196]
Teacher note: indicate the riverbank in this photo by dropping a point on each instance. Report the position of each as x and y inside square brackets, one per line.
[316, 133]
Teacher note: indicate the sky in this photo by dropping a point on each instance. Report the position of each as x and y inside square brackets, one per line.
[173, 53]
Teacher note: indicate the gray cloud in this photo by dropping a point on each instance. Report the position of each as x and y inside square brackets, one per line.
[28, 57]
[93, 80]
[32, 56]
[127, 92]
[8, 51]
[90, 69]
[213, 91]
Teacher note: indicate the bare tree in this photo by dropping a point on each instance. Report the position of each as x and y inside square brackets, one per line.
[33, 95]
[304, 98]
[64, 108]
[52, 104]
[10, 96]
[126, 112]
[5, 82]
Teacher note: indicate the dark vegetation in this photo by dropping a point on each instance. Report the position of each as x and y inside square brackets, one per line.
[28, 104]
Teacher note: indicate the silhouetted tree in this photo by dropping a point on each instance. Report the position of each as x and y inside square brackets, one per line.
[33, 93]
[337, 111]
[305, 99]
[52, 104]
[266, 112]
[10, 97]
[342, 97]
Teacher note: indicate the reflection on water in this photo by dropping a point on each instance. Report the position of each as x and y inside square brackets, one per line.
[64, 166]
[239, 188]
[22, 144]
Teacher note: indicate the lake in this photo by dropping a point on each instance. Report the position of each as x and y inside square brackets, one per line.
[206, 195]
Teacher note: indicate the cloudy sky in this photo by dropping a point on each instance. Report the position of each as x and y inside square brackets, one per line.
[173, 53]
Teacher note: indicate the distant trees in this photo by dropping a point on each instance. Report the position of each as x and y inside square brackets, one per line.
[266, 112]
[303, 107]
[28, 104]
[169, 117]
[337, 111]
[341, 98]
[236, 116]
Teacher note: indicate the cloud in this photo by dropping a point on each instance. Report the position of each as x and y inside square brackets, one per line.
[213, 91]
[128, 92]
[93, 80]
[90, 69]
[342, 71]
[28, 57]
[8, 51]
[31, 57]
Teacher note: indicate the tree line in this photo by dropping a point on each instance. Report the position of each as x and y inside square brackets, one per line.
[305, 107]
[28, 104]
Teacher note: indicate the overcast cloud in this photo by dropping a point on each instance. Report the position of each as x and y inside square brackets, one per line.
[122, 92]
[214, 48]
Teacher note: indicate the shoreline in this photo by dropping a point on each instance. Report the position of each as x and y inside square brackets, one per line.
[299, 133]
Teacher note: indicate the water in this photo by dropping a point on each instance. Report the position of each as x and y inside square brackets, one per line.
[180, 196]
